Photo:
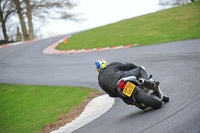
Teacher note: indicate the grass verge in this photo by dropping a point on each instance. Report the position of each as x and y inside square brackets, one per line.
[179, 23]
[27, 108]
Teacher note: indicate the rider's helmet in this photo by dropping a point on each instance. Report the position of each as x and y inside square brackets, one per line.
[100, 64]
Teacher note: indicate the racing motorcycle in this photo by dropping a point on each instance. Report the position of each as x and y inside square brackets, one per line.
[143, 93]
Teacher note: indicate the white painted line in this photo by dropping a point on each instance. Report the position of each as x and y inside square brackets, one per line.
[94, 109]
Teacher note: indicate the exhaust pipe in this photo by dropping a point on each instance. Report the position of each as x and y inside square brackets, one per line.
[146, 83]
[141, 81]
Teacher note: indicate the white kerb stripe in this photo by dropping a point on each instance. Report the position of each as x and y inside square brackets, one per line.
[94, 109]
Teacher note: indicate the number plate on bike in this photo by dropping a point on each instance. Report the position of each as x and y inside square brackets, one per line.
[128, 90]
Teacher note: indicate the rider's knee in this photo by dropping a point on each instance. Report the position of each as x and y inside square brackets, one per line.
[143, 68]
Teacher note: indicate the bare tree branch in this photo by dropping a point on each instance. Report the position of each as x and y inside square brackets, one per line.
[6, 10]
[33, 10]
[174, 2]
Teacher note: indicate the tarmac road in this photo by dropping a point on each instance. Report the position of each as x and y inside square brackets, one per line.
[176, 65]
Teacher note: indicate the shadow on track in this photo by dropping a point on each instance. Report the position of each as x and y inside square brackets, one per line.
[137, 114]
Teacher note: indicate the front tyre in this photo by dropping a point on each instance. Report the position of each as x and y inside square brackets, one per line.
[147, 99]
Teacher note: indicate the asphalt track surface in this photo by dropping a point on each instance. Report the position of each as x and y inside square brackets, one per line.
[176, 65]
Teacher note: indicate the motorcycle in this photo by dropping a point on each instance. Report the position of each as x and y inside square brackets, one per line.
[143, 93]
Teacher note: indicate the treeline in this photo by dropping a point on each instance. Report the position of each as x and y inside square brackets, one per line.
[174, 2]
[28, 11]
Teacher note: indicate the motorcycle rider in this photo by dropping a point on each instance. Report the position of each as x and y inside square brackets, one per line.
[110, 74]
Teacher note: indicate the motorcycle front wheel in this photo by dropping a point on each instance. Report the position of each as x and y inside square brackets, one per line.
[148, 99]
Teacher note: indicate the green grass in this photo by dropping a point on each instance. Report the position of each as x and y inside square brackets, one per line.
[179, 23]
[27, 108]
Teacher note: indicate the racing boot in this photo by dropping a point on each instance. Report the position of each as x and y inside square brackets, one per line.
[160, 94]
[157, 89]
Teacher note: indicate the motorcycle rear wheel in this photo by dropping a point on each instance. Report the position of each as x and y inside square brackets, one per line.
[148, 100]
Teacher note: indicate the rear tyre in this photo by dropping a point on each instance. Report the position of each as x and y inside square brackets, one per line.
[148, 100]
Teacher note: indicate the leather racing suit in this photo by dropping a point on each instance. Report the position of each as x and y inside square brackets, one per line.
[110, 75]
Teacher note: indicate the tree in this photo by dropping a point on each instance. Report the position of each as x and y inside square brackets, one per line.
[29, 17]
[47, 9]
[174, 2]
[21, 18]
[6, 10]
[53, 9]
[29, 11]
[41, 10]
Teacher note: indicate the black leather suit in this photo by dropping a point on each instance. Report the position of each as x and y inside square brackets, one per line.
[110, 75]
